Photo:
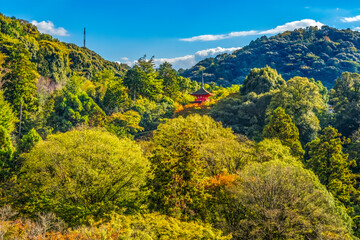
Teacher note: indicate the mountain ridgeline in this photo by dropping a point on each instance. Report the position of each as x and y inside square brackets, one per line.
[53, 59]
[322, 54]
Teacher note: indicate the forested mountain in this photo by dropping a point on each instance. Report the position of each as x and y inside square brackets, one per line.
[54, 59]
[322, 54]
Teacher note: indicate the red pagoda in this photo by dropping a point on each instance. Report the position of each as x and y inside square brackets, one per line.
[201, 94]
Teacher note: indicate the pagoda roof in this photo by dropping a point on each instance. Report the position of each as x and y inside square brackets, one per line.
[201, 91]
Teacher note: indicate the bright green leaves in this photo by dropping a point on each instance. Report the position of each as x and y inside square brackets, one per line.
[285, 201]
[7, 117]
[82, 172]
[72, 106]
[302, 101]
[182, 158]
[20, 85]
[28, 141]
[124, 124]
[6, 153]
[281, 127]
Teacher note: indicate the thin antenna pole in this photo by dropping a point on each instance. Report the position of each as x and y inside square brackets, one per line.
[84, 38]
[202, 79]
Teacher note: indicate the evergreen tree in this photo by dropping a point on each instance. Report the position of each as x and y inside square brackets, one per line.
[142, 80]
[20, 86]
[345, 99]
[281, 126]
[262, 80]
[170, 80]
[353, 149]
[330, 164]
[6, 153]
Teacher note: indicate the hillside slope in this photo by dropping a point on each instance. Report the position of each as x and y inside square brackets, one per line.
[322, 54]
[54, 59]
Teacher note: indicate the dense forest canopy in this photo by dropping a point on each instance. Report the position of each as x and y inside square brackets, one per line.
[91, 149]
[322, 54]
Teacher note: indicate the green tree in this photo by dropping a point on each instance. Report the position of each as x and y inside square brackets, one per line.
[7, 118]
[245, 115]
[28, 141]
[182, 159]
[226, 154]
[108, 92]
[330, 164]
[262, 80]
[124, 124]
[170, 80]
[20, 86]
[284, 201]
[281, 127]
[2, 69]
[72, 106]
[148, 226]
[6, 153]
[302, 101]
[142, 80]
[152, 113]
[273, 149]
[81, 174]
[353, 149]
[345, 100]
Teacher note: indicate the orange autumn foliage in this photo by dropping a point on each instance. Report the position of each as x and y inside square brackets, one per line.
[221, 180]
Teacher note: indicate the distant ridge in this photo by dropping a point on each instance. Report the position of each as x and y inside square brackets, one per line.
[322, 54]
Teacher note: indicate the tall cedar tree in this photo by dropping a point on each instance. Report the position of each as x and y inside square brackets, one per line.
[141, 80]
[20, 86]
[281, 126]
[353, 149]
[170, 80]
[345, 99]
[330, 164]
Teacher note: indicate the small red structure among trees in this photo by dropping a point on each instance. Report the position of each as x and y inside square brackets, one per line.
[201, 95]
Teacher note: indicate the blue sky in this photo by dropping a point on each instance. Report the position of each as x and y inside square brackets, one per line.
[181, 32]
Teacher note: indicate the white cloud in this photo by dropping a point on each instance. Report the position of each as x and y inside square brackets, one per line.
[189, 60]
[125, 59]
[178, 62]
[290, 26]
[357, 29]
[351, 19]
[286, 27]
[130, 63]
[48, 27]
[219, 37]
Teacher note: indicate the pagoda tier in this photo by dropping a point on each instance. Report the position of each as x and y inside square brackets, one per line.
[201, 95]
